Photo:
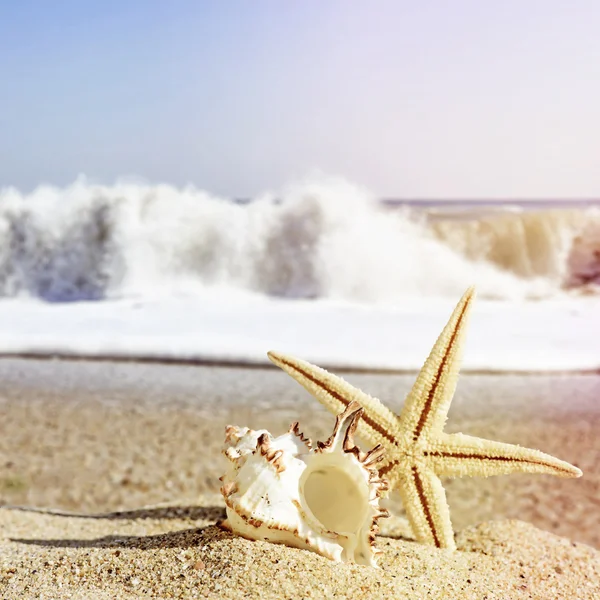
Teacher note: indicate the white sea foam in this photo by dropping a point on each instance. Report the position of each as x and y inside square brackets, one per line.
[324, 238]
[556, 334]
[320, 269]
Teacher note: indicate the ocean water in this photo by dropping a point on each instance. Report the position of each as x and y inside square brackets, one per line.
[321, 269]
[319, 239]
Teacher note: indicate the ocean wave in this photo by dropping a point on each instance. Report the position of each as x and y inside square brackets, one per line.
[324, 238]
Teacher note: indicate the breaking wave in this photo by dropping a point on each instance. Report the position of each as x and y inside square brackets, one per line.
[324, 238]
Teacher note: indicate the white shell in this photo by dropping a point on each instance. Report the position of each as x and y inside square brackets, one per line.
[324, 499]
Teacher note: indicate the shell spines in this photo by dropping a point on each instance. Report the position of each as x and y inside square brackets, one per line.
[229, 488]
[295, 429]
[266, 498]
[273, 456]
[231, 431]
[345, 424]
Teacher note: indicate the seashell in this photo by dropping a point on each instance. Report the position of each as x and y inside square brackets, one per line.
[324, 499]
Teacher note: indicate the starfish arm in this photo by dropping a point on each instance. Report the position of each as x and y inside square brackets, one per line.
[459, 455]
[424, 500]
[427, 404]
[378, 425]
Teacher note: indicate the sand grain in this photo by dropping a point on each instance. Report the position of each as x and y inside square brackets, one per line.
[181, 553]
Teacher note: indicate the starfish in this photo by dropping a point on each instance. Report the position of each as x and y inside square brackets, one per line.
[418, 451]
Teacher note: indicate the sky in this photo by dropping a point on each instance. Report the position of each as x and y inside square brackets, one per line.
[430, 99]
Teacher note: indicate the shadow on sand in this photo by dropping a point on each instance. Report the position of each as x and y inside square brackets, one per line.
[185, 538]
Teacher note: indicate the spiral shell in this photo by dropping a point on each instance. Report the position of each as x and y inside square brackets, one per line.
[324, 499]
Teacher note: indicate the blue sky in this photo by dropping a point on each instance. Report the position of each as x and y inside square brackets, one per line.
[411, 99]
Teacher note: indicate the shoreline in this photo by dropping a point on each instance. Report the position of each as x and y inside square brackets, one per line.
[266, 364]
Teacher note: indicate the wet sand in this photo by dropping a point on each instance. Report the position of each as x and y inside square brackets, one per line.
[104, 437]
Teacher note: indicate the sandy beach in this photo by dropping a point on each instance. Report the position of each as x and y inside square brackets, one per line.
[104, 440]
[206, 211]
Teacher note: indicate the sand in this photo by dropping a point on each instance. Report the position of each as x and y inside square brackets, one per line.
[111, 438]
[180, 553]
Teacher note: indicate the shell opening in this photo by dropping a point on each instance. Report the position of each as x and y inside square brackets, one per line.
[335, 497]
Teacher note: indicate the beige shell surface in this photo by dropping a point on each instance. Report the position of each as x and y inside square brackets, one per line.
[324, 499]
